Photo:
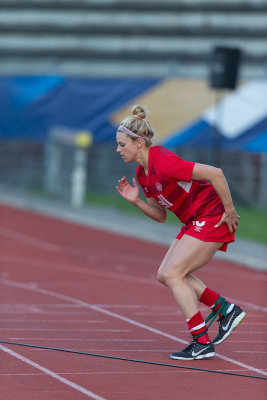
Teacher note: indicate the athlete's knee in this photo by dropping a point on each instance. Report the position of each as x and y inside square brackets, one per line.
[161, 278]
[171, 276]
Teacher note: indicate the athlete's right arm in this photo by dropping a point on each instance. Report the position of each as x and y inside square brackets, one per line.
[151, 208]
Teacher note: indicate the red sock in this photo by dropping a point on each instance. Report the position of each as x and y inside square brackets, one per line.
[197, 325]
[209, 298]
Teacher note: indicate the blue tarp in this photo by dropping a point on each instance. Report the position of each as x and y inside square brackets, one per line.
[201, 134]
[238, 122]
[31, 106]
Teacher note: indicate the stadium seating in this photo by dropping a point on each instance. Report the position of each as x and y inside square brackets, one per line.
[129, 38]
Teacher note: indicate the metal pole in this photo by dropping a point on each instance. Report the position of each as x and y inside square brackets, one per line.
[78, 184]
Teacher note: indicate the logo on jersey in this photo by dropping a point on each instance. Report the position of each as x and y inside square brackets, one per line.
[185, 185]
[198, 225]
[159, 186]
[146, 189]
[164, 202]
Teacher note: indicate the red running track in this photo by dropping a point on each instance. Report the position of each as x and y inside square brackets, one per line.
[73, 287]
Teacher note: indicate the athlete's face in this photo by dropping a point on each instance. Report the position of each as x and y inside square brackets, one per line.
[127, 147]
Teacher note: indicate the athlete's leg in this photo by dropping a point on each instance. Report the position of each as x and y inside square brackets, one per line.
[198, 286]
[166, 260]
[184, 257]
[192, 280]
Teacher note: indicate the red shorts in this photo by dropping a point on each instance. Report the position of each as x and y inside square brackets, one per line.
[203, 229]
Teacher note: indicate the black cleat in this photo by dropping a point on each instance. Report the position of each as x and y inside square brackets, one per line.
[195, 351]
[228, 323]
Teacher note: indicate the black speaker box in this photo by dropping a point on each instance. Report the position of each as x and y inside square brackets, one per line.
[224, 67]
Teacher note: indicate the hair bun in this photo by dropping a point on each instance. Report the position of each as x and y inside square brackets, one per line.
[139, 111]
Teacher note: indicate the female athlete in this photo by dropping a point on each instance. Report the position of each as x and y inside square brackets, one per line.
[199, 196]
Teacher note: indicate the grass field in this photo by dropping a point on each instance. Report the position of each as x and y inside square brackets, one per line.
[252, 225]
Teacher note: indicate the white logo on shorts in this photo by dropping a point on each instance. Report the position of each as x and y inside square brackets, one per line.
[198, 225]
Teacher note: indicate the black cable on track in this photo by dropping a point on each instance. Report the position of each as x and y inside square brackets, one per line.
[133, 360]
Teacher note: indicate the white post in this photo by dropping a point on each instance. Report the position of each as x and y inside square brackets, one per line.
[78, 183]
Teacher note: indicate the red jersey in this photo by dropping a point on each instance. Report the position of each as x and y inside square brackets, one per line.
[169, 182]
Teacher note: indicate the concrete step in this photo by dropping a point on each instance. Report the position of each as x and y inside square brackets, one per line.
[126, 47]
[118, 68]
[181, 5]
[140, 23]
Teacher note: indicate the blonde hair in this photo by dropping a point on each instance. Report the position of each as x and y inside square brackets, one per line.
[138, 124]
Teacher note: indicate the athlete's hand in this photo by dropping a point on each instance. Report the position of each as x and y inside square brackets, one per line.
[128, 192]
[231, 219]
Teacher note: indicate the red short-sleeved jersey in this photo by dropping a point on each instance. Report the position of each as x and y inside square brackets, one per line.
[168, 181]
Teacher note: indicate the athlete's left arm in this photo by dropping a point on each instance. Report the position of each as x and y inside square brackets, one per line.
[217, 179]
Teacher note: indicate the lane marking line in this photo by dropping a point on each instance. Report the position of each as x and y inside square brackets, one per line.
[240, 333]
[58, 248]
[113, 275]
[52, 374]
[122, 318]
[67, 321]
[245, 341]
[92, 253]
[83, 270]
[84, 339]
[250, 351]
[114, 372]
[66, 330]
[253, 306]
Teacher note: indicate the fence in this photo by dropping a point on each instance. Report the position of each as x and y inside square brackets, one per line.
[24, 165]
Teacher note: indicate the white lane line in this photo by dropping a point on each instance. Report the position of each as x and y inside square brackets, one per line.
[55, 248]
[246, 366]
[120, 317]
[247, 304]
[116, 372]
[107, 373]
[93, 253]
[29, 240]
[138, 306]
[66, 330]
[256, 323]
[260, 276]
[116, 350]
[22, 312]
[128, 306]
[84, 270]
[239, 332]
[250, 351]
[170, 322]
[259, 371]
[52, 374]
[174, 314]
[83, 339]
[114, 275]
[244, 341]
[67, 321]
